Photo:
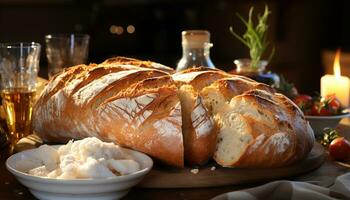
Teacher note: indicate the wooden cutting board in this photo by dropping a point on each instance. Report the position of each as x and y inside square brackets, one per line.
[161, 177]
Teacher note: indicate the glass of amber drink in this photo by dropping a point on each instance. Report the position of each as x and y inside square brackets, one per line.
[19, 66]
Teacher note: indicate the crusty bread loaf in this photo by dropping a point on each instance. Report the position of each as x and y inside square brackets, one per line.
[256, 126]
[189, 116]
[199, 78]
[267, 128]
[133, 106]
[95, 89]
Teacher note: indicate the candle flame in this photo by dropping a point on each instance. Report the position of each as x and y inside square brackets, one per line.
[336, 64]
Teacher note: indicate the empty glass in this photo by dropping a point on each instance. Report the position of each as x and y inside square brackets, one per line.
[19, 66]
[66, 50]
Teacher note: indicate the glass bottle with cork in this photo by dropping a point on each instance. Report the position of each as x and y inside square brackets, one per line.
[196, 50]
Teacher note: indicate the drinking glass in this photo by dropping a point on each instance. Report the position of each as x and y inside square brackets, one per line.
[65, 50]
[19, 66]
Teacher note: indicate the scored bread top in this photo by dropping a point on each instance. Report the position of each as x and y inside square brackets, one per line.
[139, 63]
[199, 77]
[134, 106]
[236, 85]
[174, 117]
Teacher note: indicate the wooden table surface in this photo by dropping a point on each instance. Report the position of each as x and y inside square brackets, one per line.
[10, 188]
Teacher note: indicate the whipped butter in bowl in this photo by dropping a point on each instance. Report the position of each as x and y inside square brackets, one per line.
[83, 169]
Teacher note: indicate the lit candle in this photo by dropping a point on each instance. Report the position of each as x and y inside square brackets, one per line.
[336, 84]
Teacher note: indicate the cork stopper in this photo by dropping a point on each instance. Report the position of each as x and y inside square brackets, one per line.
[195, 38]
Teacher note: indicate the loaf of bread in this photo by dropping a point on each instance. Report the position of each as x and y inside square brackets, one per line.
[132, 106]
[185, 117]
[133, 103]
[257, 127]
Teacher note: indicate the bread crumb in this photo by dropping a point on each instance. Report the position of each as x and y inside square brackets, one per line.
[213, 168]
[194, 171]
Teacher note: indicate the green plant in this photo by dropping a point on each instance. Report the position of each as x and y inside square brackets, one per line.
[255, 37]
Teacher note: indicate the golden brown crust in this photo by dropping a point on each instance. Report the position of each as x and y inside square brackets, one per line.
[138, 63]
[236, 85]
[284, 123]
[146, 136]
[118, 103]
[275, 129]
[281, 135]
[199, 78]
[198, 127]
[261, 153]
[144, 106]
[198, 69]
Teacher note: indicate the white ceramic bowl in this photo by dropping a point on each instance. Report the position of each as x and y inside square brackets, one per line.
[318, 123]
[87, 189]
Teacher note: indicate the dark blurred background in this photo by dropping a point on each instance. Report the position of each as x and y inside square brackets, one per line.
[302, 31]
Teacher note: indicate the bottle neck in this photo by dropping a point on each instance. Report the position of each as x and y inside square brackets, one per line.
[195, 53]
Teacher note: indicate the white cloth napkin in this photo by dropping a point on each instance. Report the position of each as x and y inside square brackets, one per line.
[293, 190]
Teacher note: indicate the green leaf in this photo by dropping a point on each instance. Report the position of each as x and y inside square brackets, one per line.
[238, 37]
[271, 54]
[255, 37]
